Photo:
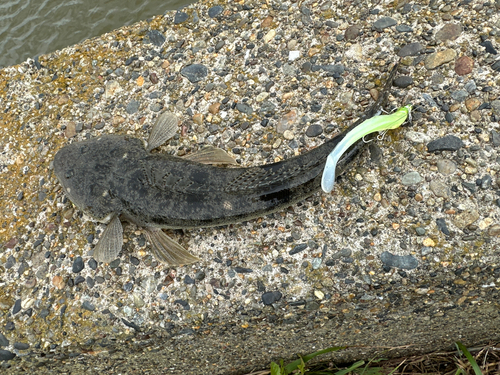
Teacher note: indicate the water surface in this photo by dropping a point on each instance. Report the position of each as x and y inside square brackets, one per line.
[32, 27]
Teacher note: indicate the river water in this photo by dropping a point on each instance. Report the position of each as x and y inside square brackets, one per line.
[32, 27]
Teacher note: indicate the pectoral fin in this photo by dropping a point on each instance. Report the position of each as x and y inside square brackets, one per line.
[166, 250]
[165, 128]
[110, 243]
[211, 155]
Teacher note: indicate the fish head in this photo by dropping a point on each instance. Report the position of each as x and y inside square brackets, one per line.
[85, 169]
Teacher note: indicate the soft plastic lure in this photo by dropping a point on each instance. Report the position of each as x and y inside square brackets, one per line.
[375, 124]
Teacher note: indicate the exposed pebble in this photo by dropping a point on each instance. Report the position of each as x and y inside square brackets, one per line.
[195, 72]
[384, 23]
[450, 31]
[411, 178]
[439, 58]
[465, 218]
[446, 143]
[446, 167]
[268, 298]
[464, 65]
[406, 262]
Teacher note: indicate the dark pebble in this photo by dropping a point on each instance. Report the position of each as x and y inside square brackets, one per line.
[183, 303]
[188, 280]
[128, 286]
[403, 81]
[20, 196]
[406, 262]
[268, 298]
[243, 270]
[10, 326]
[154, 37]
[195, 72]
[5, 355]
[131, 324]
[383, 23]
[495, 138]
[403, 29]
[180, 17]
[486, 182]
[11, 261]
[496, 66]
[88, 306]
[314, 130]
[79, 279]
[132, 107]
[130, 60]
[448, 143]
[215, 11]
[90, 282]
[3, 340]
[200, 275]
[21, 346]
[459, 95]
[448, 117]
[335, 69]
[488, 47]
[17, 307]
[78, 265]
[92, 264]
[135, 261]
[352, 32]
[115, 263]
[244, 108]
[411, 49]
[297, 249]
[441, 224]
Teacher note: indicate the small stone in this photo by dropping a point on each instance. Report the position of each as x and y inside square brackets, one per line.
[495, 138]
[267, 22]
[132, 107]
[112, 88]
[195, 72]
[446, 143]
[465, 218]
[214, 108]
[488, 46]
[459, 95]
[269, 36]
[3, 340]
[314, 130]
[450, 31]
[154, 37]
[417, 137]
[439, 58]
[215, 11]
[78, 265]
[494, 230]
[243, 270]
[180, 17]
[316, 263]
[441, 224]
[440, 189]
[383, 23]
[411, 178]
[496, 66]
[70, 130]
[5, 355]
[17, 307]
[288, 134]
[429, 242]
[411, 49]
[406, 262]
[446, 167]
[198, 118]
[58, 282]
[352, 32]
[21, 346]
[286, 121]
[244, 108]
[464, 65]
[268, 298]
[472, 104]
[403, 81]
[319, 294]
[88, 306]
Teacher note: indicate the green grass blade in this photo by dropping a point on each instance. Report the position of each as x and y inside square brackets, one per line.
[275, 369]
[469, 356]
[295, 364]
[351, 368]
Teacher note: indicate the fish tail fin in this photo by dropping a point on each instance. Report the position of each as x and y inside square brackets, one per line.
[166, 250]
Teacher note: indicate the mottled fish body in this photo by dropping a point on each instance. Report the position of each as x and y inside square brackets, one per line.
[114, 176]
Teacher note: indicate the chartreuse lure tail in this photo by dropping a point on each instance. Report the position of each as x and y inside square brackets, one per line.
[375, 124]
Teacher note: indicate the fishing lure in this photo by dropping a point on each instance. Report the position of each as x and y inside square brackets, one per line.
[381, 124]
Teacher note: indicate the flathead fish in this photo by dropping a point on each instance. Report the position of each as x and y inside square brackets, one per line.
[115, 177]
